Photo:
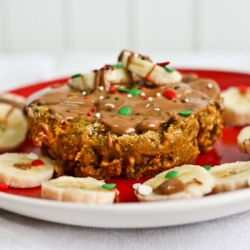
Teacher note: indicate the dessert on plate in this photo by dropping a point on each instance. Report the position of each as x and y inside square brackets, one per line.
[132, 119]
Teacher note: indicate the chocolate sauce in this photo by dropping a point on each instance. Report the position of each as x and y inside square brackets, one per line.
[149, 108]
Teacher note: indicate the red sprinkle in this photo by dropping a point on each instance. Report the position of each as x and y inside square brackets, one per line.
[148, 79]
[86, 97]
[113, 90]
[3, 186]
[242, 89]
[169, 94]
[89, 113]
[163, 64]
[93, 109]
[37, 163]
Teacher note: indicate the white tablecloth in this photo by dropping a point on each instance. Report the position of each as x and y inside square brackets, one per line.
[19, 232]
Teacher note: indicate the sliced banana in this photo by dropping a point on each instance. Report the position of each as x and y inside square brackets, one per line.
[13, 124]
[21, 170]
[103, 78]
[243, 140]
[156, 74]
[236, 106]
[230, 176]
[86, 190]
[184, 182]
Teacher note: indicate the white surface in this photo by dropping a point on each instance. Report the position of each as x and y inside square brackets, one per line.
[20, 232]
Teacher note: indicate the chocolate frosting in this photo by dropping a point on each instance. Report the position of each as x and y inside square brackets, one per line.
[147, 110]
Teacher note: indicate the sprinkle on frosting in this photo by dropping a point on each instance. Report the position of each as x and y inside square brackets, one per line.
[185, 112]
[124, 111]
[134, 92]
[169, 94]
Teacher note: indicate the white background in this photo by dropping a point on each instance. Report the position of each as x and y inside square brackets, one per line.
[147, 26]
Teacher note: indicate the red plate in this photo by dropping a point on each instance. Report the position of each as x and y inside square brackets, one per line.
[225, 149]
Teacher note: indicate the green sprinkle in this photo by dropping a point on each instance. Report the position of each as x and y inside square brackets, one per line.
[176, 87]
[124, 111]
[134, 92]
[185, 112]
[123, 90]
[128, 71]
[75, 76]
[108, 97]
[117, 98]
[170, 70]
[143, 58]
[109, 185]
[207, 167]
[39, 104]
[117, 66]
[171, 174]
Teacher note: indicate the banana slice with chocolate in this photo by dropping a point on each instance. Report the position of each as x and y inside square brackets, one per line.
[156, 74]
[13, 124]
[21, 170]
[103, 78]
[86, 190]
[184, 182]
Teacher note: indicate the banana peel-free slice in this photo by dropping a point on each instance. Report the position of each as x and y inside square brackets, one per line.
[230, 176]
[154, 73]
[184, 182]
[13, 123]
[76, 189]
[102, 78]
[236, 106]
[243, 140]
[18, 170]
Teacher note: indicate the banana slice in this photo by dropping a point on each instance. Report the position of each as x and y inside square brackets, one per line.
[236, 106]
[13, 124]
[243, 140]
[86, 190]
[20, 170]
[156, 74]
[185, 182]
[230, 176]
[104, 78]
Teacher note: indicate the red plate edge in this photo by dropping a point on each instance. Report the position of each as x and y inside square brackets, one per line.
[225, 149]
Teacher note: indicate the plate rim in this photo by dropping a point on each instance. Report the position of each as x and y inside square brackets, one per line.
[147, 210]
[167, 208]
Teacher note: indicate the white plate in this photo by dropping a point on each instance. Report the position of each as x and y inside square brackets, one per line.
[130, 215]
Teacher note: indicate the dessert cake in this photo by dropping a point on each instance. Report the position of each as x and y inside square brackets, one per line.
[132, 119]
